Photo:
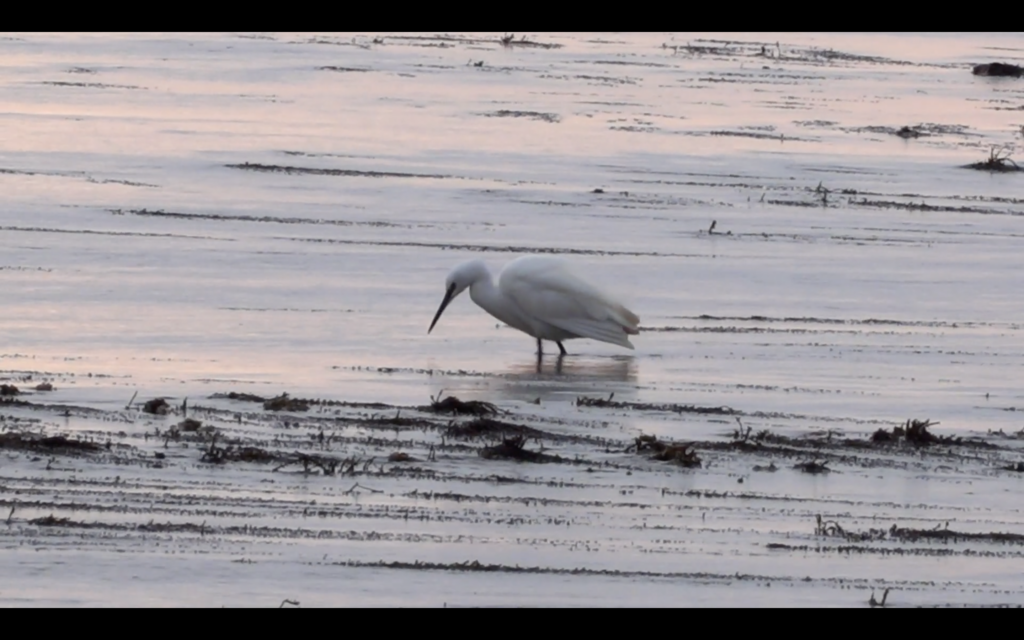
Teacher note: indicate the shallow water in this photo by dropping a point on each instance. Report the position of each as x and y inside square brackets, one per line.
[193, 215]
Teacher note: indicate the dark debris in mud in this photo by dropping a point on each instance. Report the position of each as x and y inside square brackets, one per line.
[697, 50]
[89, 85]
[477, 566]
[63, 409]
[244, 397]
[149, 527]
[747, 440]
[488, 427]
[998, 69]
[514, 448]
[924, 206]
[284, 402]
[343, 69]
[397, 421]
[583, 401]
[224, 217]
[509, 40]
[275, 168]
[531, 115]
[189, 425]
[327, 465]
[309, 451]
[812, 466]
[811, 452]
[309, 462]
[237, 453]
[914, 432]
[316, 452]
[816, 320]
[454, 406]
[157, 406]
[831, 528]
[51, 521]
[999, 160]
[752, 134]
[823, 446]
[947, 534]
[127, 183]
[298, 402]
[8, 390]
[920, 130]
[875, 603]
[48, 444]
[683, 454]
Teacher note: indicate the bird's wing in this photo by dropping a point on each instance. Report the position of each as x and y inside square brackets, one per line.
[546, 289]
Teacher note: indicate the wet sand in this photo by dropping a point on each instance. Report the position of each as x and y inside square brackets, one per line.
[824, 402]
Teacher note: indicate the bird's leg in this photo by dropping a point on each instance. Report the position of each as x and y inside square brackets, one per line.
[558, 365]
[561, 348]
[540, 349]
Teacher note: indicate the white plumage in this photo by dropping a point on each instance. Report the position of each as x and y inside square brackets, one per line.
[542, 297]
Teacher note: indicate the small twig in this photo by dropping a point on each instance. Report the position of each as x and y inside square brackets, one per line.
[351, 462]
[359, 486]
[10, 515]
[875, 603]
[129, 405]
[823, 191]
[828, 528]
[294, 603]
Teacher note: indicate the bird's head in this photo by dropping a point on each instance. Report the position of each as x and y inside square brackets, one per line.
[460, 279]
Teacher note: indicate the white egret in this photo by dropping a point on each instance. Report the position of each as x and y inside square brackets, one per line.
[541, 297]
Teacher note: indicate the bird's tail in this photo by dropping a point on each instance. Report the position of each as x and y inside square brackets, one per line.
[630, 321]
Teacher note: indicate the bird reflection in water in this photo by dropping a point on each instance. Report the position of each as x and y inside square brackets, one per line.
[567, 377]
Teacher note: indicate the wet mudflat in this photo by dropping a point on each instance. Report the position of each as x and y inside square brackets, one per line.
[324, 491]
[221, 254]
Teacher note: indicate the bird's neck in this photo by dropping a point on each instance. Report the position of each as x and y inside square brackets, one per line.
[488, 297]
[485, 294]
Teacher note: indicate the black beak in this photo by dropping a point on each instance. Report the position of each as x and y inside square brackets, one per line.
[444, 303]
